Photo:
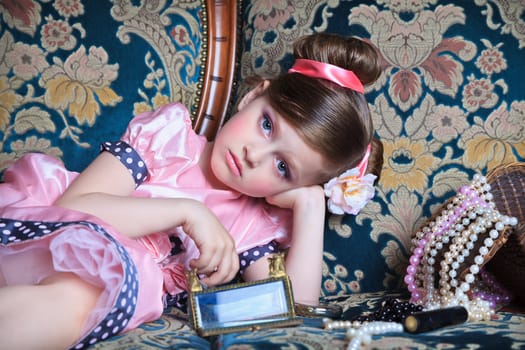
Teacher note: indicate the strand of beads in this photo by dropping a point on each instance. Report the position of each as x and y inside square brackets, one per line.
[458, 250]
[456, 231]
[478, 308]
[391, 310]
[387, 319]
[362, 332]
[491, 290]
[363, 335]
[429, 241]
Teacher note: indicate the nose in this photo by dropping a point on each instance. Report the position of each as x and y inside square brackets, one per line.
[253, 155]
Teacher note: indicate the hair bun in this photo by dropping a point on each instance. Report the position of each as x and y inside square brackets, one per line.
[346, 52]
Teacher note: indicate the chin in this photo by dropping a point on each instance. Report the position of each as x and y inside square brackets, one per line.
[248, 193]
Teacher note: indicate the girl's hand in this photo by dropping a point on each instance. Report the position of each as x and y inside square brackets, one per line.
[291, 199]
[218, 259]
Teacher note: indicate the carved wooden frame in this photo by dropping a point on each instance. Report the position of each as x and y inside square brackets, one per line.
[220, 43]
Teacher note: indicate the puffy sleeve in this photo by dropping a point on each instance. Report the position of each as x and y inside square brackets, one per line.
[160, 139]
[257, 223]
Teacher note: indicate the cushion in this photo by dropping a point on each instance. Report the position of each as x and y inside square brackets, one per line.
[449, 104]
[72, 74]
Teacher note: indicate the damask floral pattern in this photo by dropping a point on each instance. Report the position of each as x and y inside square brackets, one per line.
[80, 84]
[449, 104]
[415, 52]
[497, 140]
[445, 107]
[74, 88]
[23, 15]
[62, 90]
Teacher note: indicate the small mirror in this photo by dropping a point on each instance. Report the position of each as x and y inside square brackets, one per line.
[243, 306]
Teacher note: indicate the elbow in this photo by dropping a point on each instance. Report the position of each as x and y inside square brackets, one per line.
[64, 201]
[74, 201]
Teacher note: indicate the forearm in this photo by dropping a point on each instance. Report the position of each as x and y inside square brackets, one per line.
[104, 189]
[132, 216]
[304, 259]
[305, 256]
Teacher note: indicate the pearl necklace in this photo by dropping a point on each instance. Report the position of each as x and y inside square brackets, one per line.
[441, 247]
[449, 239]
[361, 332]
[387, 319]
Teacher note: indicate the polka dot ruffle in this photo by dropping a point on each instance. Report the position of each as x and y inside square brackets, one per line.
[252, 255]
[13, 231]
[129, 157]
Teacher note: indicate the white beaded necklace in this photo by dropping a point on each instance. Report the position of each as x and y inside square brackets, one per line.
[455, 234]
[361, 332]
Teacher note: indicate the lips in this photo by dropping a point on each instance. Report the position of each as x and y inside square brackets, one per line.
[234, 164]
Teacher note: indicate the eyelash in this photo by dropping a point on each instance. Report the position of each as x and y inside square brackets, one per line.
[282, 168]
[267, 128]
[264, 123]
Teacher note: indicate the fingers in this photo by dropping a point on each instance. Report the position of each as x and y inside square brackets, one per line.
[222, 273]
[218, 258]
[212, 256]
[206, 262]
[218, 272]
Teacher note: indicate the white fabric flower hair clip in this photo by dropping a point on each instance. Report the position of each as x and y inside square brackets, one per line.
[350, 191]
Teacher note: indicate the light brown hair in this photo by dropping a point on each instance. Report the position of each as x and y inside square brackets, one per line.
[333, 120]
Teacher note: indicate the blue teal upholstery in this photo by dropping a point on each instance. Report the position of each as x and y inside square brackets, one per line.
[449, 104]
[74, 74]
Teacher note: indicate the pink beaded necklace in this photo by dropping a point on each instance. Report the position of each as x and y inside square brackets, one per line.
[449, 252]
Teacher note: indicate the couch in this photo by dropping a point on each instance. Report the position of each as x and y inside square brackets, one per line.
[449, 104]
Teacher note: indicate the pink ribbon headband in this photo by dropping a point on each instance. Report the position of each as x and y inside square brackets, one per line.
[364, 162]
[340, 76]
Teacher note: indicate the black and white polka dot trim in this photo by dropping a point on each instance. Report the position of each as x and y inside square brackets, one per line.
[13, 231]
[129, 157]
[116, 320]
[252, 255]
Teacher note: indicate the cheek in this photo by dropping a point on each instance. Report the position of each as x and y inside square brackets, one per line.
[263, 186]
[236, 126]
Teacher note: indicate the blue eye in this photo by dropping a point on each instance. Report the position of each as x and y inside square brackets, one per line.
[267, 127]
[266, 123]
[282, 168]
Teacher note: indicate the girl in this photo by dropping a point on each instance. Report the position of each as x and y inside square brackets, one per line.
[86, 256]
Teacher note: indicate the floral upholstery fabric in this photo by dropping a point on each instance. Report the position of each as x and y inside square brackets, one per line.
[73, 73]
[449, 103]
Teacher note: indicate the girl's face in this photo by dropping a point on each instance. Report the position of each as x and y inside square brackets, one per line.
[259, 154]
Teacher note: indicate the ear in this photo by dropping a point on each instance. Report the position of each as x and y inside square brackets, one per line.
[253, 93]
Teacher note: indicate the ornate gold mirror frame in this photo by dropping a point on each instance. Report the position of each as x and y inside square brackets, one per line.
[243, 306]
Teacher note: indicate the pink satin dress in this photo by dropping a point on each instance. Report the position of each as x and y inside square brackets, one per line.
[161, 151]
